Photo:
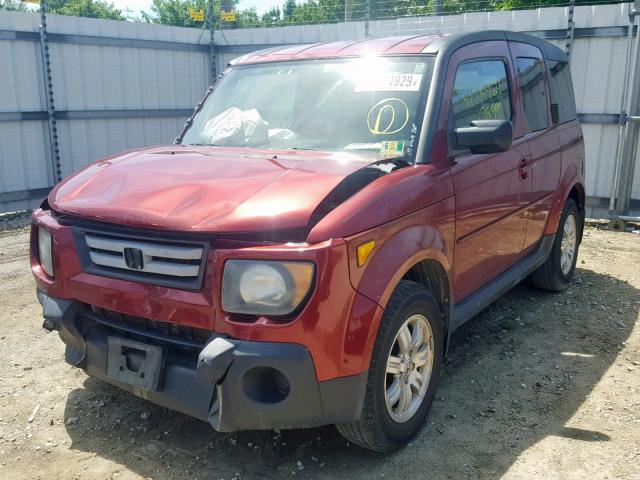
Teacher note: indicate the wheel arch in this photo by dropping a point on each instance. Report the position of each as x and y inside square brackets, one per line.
[570, 186]
[425, 268]
[578, 195]
[431, 274]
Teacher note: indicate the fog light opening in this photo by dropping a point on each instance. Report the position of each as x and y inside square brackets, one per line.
[265, 385]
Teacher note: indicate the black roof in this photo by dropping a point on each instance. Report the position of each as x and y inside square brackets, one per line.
[450, 43]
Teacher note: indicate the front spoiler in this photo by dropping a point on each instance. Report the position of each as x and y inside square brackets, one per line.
[226, 383]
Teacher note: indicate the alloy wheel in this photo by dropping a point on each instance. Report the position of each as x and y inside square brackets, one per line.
[409, 367]
[568, 244]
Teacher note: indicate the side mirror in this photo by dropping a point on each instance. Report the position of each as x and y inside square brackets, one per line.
[486, 136]
[555, 114]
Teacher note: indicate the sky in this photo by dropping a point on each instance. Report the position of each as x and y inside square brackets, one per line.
[136, 6]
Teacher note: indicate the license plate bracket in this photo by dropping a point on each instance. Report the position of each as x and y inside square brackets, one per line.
[134, 363]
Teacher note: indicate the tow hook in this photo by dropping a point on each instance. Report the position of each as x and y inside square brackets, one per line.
[214, 360]
[48, 325]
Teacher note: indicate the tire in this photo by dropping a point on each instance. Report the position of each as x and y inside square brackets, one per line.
[377, 430]
[555, 273]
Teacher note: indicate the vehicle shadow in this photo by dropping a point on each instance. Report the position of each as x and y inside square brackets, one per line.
[514, 375]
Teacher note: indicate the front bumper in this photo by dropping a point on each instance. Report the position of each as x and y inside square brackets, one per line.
[232, 384]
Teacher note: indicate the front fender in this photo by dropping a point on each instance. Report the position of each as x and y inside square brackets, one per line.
[427, 234]
[389, 199]
[395, 254]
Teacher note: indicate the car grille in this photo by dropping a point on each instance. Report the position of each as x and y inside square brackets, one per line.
[145, 326]
[147, 257]
[150, 260]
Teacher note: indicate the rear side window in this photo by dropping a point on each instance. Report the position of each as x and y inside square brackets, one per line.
[533, 92]
[561, 90]
[480, 92]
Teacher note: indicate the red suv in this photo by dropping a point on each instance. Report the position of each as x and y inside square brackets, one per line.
[329, 216]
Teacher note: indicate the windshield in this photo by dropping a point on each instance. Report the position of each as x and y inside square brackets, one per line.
[330, 105]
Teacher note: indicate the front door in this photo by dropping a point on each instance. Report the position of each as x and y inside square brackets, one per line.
[489, 188]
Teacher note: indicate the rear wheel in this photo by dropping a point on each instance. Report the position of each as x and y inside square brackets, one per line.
[405, 367]
[556, 272]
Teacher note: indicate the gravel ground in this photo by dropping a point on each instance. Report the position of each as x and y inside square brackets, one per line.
[15, 220]
[537, 386]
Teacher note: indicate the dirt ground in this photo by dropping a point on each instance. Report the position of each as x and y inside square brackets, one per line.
[538, 386]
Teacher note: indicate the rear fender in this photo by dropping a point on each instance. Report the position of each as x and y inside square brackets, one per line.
[570, 178]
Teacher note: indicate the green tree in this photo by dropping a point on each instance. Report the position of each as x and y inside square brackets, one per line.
[176, 12]
[272, 17]
[315, 11]
[333, 9]
[85, 8]
[13, 5]
[248, 18]
[461, 6]
[308, 12]
[287, 10]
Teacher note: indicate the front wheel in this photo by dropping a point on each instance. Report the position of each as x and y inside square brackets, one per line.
[405, 367]
[556, 272]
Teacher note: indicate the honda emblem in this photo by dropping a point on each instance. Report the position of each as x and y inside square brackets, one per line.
[134, 258]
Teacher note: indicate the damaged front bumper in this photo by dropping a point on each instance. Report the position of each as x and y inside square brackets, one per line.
[233, 384]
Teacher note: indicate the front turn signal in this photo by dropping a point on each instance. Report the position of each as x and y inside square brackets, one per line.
[364, 250]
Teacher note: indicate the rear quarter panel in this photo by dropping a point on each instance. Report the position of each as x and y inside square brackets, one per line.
[572, 174]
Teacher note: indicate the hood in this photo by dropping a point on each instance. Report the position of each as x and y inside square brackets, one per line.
[206, 189]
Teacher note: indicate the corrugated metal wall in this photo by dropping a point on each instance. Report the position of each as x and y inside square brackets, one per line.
[117, 85]
[23, 148]
[146, 78]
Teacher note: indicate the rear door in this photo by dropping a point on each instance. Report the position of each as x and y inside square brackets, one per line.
[545, 162]
[490, 222]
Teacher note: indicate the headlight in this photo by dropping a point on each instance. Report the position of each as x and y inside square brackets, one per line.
[253, 287]
[45, 254]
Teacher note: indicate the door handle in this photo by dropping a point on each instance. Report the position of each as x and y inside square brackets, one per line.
[523, 168]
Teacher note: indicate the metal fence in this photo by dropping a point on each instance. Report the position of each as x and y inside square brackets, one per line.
[122, 85]
[307, 12]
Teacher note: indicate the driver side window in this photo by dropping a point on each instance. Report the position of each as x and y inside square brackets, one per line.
[480, 92]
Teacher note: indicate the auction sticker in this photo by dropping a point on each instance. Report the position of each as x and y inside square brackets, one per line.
[389, 82]
[391, 149]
